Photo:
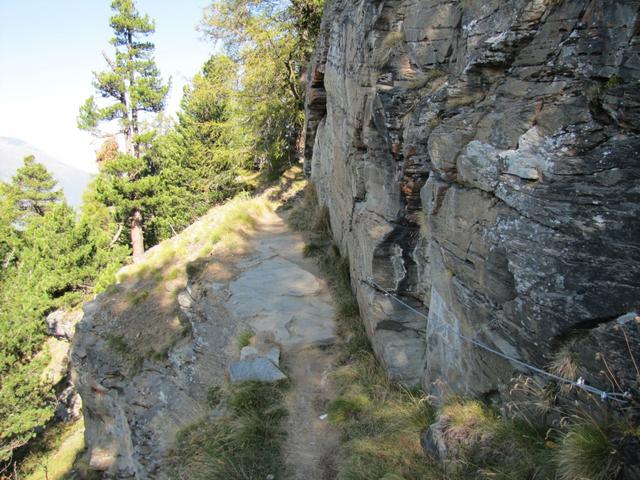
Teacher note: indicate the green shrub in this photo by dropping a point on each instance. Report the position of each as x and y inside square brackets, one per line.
[587, 452]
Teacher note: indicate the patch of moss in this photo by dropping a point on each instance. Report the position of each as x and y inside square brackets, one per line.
[135, 297]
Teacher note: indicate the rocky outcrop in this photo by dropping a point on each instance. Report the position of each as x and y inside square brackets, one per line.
[61, 327]
[153, 352]
[482, 160]
[144, 371]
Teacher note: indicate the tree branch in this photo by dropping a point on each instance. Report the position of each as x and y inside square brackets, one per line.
[110, 62]
[8, 258]
[116, 236]
[291, 78]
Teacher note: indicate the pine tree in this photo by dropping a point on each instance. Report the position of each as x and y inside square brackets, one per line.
[35, 188]
[271, 41]
[129, 186]
[99, 233]
[132, 85]
[201, 159]
[209, 130]
[9, 238]
[45, 272]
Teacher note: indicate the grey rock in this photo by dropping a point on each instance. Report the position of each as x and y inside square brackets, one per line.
[280, 297]
[185, 300]
[135, 402]
[271, 353]
[433, 443]
[479, 165]
[69, 405]
[62, 324]
[486, 171]
[255, 369]
[249, 352]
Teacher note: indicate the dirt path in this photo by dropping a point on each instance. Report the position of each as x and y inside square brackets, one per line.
[281, 293]
[312, 444]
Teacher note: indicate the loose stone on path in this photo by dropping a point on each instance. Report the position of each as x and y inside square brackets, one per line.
[258, 369]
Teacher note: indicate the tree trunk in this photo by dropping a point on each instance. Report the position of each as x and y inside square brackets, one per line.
[137, 239]
[135, 133]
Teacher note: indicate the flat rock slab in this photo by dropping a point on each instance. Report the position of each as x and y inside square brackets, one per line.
[255, 369]
[279, 296]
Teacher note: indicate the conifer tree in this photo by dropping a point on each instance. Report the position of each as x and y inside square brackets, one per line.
[271, 41]
[201, 158]
[131, 86]
[9, 239]
[35, 188]
[46, 270]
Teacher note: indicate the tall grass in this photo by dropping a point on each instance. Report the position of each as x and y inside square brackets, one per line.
[587, 452]
[483, 444]
[245, 444]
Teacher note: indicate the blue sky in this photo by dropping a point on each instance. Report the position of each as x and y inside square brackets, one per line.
[48, 50]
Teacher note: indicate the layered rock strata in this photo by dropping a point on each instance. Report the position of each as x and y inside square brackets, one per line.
[482, 160]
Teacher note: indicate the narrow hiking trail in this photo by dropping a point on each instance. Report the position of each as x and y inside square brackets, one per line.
[182, 312]
[281, 294]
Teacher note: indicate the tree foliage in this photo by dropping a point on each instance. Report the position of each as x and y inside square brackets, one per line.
[55, 261]
[131, 86]
[271, 42]
[35, 188]
[199, 161]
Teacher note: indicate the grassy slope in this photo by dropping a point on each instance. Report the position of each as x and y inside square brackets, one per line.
[53, 455]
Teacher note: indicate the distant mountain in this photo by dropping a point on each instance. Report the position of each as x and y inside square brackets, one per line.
[72, 180]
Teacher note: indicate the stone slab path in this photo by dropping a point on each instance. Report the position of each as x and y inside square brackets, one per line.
[280, 294]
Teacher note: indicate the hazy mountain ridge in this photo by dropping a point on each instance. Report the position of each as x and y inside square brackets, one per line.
[72, 180]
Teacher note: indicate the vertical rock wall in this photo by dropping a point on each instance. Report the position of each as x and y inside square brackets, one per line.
[482, 159]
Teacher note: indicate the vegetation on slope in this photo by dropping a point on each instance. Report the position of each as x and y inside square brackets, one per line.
[53, 454]
[242, 113]
[244, 444]
[52, 259]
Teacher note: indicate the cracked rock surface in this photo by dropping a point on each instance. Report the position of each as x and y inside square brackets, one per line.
[144, 367]
[482, 160]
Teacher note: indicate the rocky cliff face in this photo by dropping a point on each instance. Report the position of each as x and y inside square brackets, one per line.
[148, 352]
[482, 160]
